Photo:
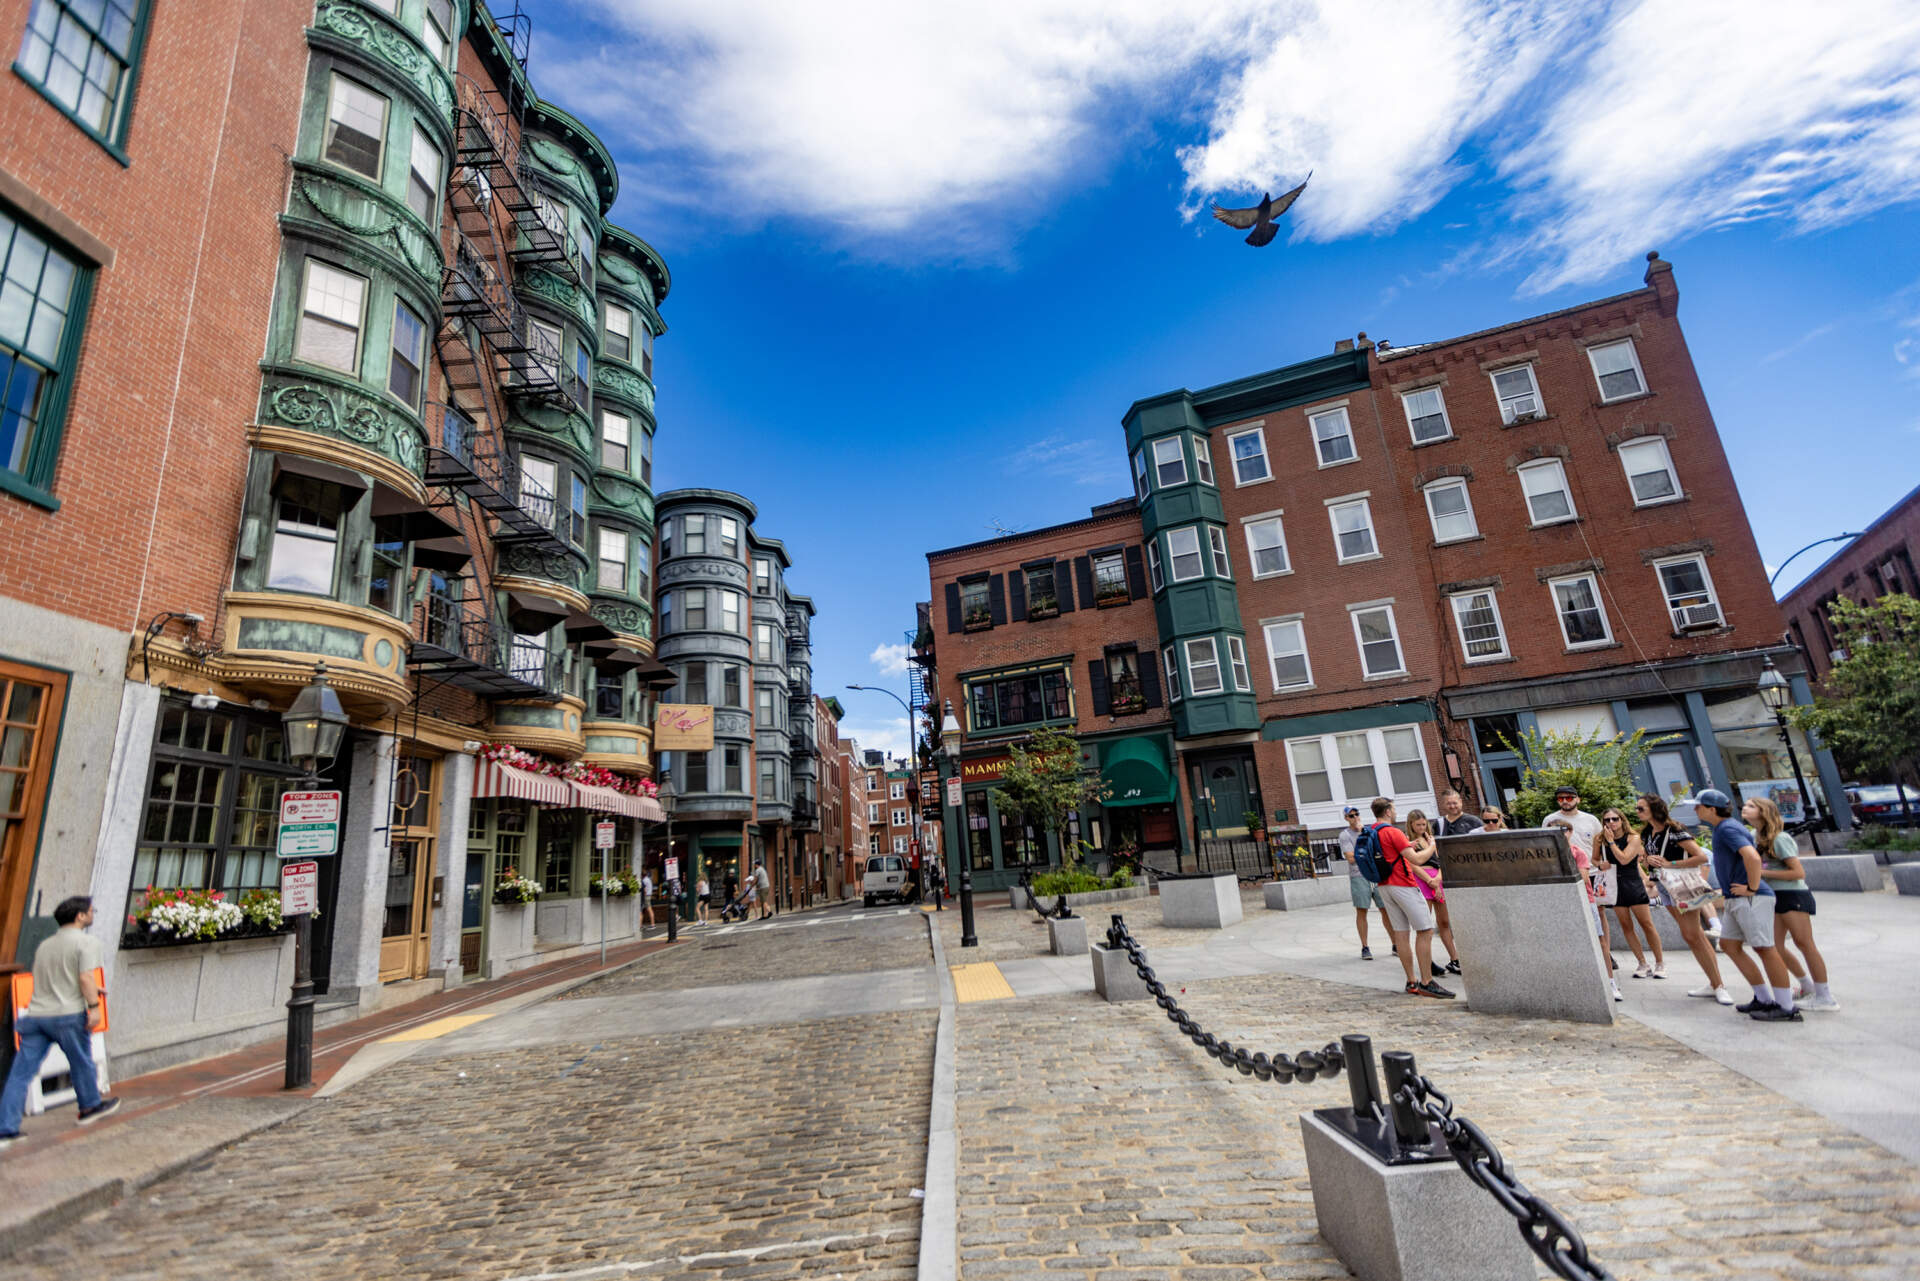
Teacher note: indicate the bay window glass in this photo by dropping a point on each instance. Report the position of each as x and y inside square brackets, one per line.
[332, 305]
[694, 534]
[438, 30]
[1172, 666]
[578, 507]
[1237, 664]
[643, 568]
[1169, 462]
[306, 536]
[616, 438]
[613, 560]
[1217, 543]
[408, 358]
[694, 682]
[1183, 552]
[423, 178]
[356, 135]
[694, 602]
[539, 477]
[730, 612]
[619, 335]
[1203, 666]
[1139, 475]
[729, 537]
[1153, 566]
[1202, 461]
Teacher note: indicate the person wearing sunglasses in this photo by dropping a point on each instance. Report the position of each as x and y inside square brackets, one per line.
[1493, 820]
[1631, 905]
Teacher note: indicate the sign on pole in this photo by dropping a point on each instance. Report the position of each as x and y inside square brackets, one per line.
[603, 835]
[953, 793]
[299, 888]
[673, 869]
[309, 824]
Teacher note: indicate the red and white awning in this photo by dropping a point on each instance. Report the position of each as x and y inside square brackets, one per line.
[493, 778]
[608, 801]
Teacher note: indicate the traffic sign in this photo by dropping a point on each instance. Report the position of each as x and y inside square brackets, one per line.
[603, 835]
[673, 869]
[299, 888]
[309, 824]
[953, 793]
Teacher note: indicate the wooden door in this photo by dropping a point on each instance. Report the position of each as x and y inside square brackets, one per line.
[30, 703]
[406, 927]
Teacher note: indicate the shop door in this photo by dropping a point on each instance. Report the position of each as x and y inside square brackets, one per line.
[406, 926]
[1228, 796]
[30, 702]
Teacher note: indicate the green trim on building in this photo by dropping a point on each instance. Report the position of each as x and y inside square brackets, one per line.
[1405, 713]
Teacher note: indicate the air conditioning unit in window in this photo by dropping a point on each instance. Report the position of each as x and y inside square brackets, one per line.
[1687, 618]
[1836, 656]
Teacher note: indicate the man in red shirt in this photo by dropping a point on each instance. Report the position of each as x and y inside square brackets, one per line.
[1407, 910]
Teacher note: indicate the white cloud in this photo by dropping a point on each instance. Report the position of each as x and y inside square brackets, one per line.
[889, 736]
[1086, 461]
[890, 659]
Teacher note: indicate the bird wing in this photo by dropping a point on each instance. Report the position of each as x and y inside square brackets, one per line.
[1241, 218]
[1285, 202]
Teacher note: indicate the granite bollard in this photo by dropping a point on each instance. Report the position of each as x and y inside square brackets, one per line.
[1200, 902]
[1906, 878]
[1313, 891]
[1843, 873]
[1067, 936]
[1114, 977]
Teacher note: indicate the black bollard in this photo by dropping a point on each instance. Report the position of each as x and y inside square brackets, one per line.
[673, 911]
[1362, 1081]
[1409, 1126]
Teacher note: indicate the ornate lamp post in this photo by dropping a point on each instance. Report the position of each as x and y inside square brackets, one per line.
[665, 798]
[314, 726]
[1777, 694]
[950, 750]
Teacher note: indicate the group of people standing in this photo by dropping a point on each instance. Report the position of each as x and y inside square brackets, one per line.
[1631, 865]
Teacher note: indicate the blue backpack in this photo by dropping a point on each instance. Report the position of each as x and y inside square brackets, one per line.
[1367, 856]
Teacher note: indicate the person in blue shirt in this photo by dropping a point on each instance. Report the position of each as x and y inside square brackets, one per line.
[1748, 921]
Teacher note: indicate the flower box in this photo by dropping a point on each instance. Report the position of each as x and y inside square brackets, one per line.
[1111, 597]
[1043, 609]
[1125, 703]
[979, 621]
[166, 916]
[138, 935]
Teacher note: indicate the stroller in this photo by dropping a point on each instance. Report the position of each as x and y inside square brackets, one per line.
[737, 910]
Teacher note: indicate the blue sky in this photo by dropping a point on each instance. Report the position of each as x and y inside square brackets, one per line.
[924, 257]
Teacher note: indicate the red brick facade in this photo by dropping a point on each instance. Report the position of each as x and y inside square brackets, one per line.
[1880, 560]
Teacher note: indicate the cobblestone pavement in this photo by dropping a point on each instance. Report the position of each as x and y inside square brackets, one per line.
[1007, 935]
[1095, 1141]
[788, 947]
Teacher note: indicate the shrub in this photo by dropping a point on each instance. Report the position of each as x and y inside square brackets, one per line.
[1600, 769]
[1878, 836]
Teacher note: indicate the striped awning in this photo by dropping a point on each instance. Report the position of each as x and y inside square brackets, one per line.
[608, 801]
[493, 778]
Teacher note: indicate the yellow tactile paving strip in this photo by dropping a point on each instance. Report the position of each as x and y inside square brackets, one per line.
[981, 982]
[440, 1027]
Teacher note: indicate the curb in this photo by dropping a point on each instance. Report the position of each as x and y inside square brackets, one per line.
[939, 1214]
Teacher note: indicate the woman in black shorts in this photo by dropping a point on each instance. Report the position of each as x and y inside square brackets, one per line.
[1793, 904]
[1630, 903]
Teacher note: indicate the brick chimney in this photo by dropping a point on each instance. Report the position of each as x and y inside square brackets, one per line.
[1659, 278]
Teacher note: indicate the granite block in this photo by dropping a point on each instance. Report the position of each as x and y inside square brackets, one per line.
[1530, 950]
[1843, 874]
[1200, 902]
[1319, 891]
[1114, 977]
[1067, 937]
[1906, 878]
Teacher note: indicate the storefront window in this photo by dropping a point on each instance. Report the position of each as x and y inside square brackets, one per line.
[979, 833]
[510, 826]
[1755, 756]
[1020, 844]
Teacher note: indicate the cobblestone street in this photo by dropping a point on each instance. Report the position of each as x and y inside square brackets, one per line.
[788, 947]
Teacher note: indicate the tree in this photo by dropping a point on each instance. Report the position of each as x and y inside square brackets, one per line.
[1600, 769]
[1868, 709]
[1043, 782]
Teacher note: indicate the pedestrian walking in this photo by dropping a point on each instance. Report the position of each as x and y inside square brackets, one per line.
[937, 884]
[65, 1010]
[1680, 886]
[1359, 888]
[763, 888]
[1748, 921]
[646, 898]
[1408, 917]
[1420, 836]
[1792, 903]
[702, 898]
[1632, 905]
[732, 887]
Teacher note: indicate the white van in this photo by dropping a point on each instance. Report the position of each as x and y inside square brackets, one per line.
[886, 877]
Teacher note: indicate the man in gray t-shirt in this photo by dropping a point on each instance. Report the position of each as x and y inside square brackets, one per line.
[64, 1011]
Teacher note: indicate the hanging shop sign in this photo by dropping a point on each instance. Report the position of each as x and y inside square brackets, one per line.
[683, 727]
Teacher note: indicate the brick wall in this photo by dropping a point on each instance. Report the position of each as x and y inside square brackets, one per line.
[1881, 560]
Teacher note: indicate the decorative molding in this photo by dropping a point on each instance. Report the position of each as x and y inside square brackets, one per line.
[386, 41]
[1548, 572]
[624, 382]
[1615, 439]
[560, 164]
[568, 425]
[1442, 472]
[629, 620]
[1471, 585]
[334, 411]
[559, 291]
[554, 567]
[1700, 546]
[623, 496]
[707, 569]
[1534, 453]
[355, 210]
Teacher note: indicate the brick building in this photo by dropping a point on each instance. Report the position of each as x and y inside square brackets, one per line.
[855, 842]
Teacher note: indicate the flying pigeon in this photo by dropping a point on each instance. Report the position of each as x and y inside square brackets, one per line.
[1261, 216]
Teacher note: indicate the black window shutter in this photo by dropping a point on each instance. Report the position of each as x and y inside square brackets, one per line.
[1150, 678]
[954, 623]
[1097, 682]
[1136, 574]
[1063, 585]
[1083, 575]
[1017, 588]
[997, 599]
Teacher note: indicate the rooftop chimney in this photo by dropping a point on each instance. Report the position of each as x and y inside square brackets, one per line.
[1342, 344]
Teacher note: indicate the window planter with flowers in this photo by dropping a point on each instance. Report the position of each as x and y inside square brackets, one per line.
[515, 890]
[168, 917]
[571, 771]
[614, 886]
[978, 619]
[1043, 607]
[1126, 696]
[1108, 594]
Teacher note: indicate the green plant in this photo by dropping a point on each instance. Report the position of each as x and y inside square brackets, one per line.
[1077, 880]
[1600, 769]
[1044, 781]
[1878, 836]
[1868, 709]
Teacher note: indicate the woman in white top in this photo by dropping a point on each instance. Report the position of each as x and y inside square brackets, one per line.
[704, 893]
[1793, 905]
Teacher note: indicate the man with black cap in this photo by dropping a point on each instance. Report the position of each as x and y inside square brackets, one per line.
[1359, 888]
[1749, 916]
[1583, 829]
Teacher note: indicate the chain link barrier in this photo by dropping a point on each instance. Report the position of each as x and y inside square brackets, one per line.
[1059, 911]
[1553, 1240]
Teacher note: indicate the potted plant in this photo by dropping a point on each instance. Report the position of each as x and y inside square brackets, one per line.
[514, 890]
[1111, 594]
[164, 916]
[1042, 607]
[977, 617]
[1126, 696]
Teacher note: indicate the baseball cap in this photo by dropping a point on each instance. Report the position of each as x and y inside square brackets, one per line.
[1350, 810]
[1715, 797]
[1565, 791]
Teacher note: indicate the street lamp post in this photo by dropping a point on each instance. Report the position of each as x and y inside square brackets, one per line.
[673, 907]
[1776, 694]
[913, 739]
[314, 726]
[950, 749]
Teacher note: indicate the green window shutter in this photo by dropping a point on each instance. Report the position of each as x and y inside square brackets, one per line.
[1017, 589]
[954, 623]
[1063, 584]
[1083, 576]
[997, 599]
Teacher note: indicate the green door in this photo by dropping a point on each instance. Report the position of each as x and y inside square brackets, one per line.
[1222, 795]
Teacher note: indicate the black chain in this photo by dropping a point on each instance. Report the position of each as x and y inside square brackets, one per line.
[1305, 1066]
[1059, 911]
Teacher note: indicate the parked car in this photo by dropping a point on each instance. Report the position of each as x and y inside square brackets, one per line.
[1881, 803]
[886, 877]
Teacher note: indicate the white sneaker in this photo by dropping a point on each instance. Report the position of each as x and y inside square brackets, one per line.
[1818, 1002]
[1708, 991]
[1800, 991]
[1616, 993]
[1659, 971]
[1713, 931]
[1645, 971]
[1723, 996]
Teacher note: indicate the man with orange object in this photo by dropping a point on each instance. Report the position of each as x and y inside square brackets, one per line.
[67, 1006]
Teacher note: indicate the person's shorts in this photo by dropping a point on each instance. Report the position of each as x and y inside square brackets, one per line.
[1793, 901]
[1407, 908]
[1747, 920]
[706, 898]
[1362, 891]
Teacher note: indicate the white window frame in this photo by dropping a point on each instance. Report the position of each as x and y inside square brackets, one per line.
[1360, 645]
[897, 790]
[1217, 544]
[873, 811]
[730, 611]
[1446, 419]
[1153, 564]
[1159, 482]
[1466, 499]
[422, 142]
[1390, 760]
[1346, 432]
[1211, 661]
[1320, 814]
[1140, 486]
[1173, 554]
[622, 328]
[1171, 664]
[620, 541]
[1606, 625]
[1234, 459]
[1251, 523]
[1334, 507]
[327, 317]
[898, 818]
[334, 100]
[1460, 602]
[899, 845]
[607, 419]
[1644, 445]
[1203, 461]
[1507, 410]
[1633, 359]
[1541, 467]
[541, 329]
[1237, 665]
[1268, 630]
[1706, 579]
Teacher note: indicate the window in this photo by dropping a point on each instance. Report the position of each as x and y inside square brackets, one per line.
[1183, 553]
[1311, 783]
[730, 613]
[82, 54]
[1549, 501]
[762, 575]
[763, 708]
[330, 311]
[1203, 666]
[538, 479]
[1650, 473]
[695, 600]
[873, 811]
[1172, 666]
[1582, 621]
[1426, 415]
[356, 127]
[900, 844]
[729, 537]
[1139, 475]
[387, 578]
[423, 178]
[1110, 578]
[1689, 592]
[1028, 698]
[1153, 566]
[694, 680]
[1352, 530]
[899, 818]
[1249, 452]
[1333, 437]
[306, 535]
[733, 780]
[1042, 599]
[763, 642]
[730, 686]
[1406, 763]
[1379, 641]
[1123, 681]
[1202, 461]
[1477, 615]
[42, 289]
[1287, 654]
[1169, 462]
[694, 531]
[646, 349]
[666, 613]
[1355, 757]
[616, 440]
[609, 694]
[619, 335]
[408, 356]
[696, 780]
[583, 374]
[1237, 663]
[1267, 547]
[613, 560]
[1519, 397]
[437, 33]
[1217, 541]
[543, 342]
[1450, 512]
[579, 506]
[1616, 367]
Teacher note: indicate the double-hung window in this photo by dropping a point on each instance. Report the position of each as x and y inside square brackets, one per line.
[83, 54]
[976, 607]
[423, 178]
[666, 613]
[1153, 565]
[730, 612]
[1352, 530]
[1267, 547]
[1377, 636]
[1583, 620]
[582, 375]
[695, 600]
[616, 440]
[579, 509]
[763, 708]
[438, 29]
[1426, 415]
[1217, 543]
[1237, 664]
[1477, 615]
[1139, 462]
[1406, 763]
[1183, 553]
[1287, 653]
[1026, 698]
[1689, 592]
[762, 575]
[1169, 463]
[1549, 500]
[356, 136]
[1518, 394]
[1203, 460]
[1042, 600]
[1110, 578]
[40, 288]
[1331, 771]
[544, 341]
[643, 569]
[730, 686]
[730, 537]
[1450, 511]
[613, 560]
[1172, 666]
[538, 479]
[1616, 368]
[332, 306]
[1333, 436]
[693, 535]
[619, 336]
[408, 357]
[897, 791]
[732, 759]
[1203, 666]
[306, 536]
[695, 683]
[1650, 474]
[1249, 452]
[763, 642]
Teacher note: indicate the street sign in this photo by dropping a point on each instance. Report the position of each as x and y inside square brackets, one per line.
[309, 824]
[673, 869]
[603, 835]
[953, 793]
[299, 888]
